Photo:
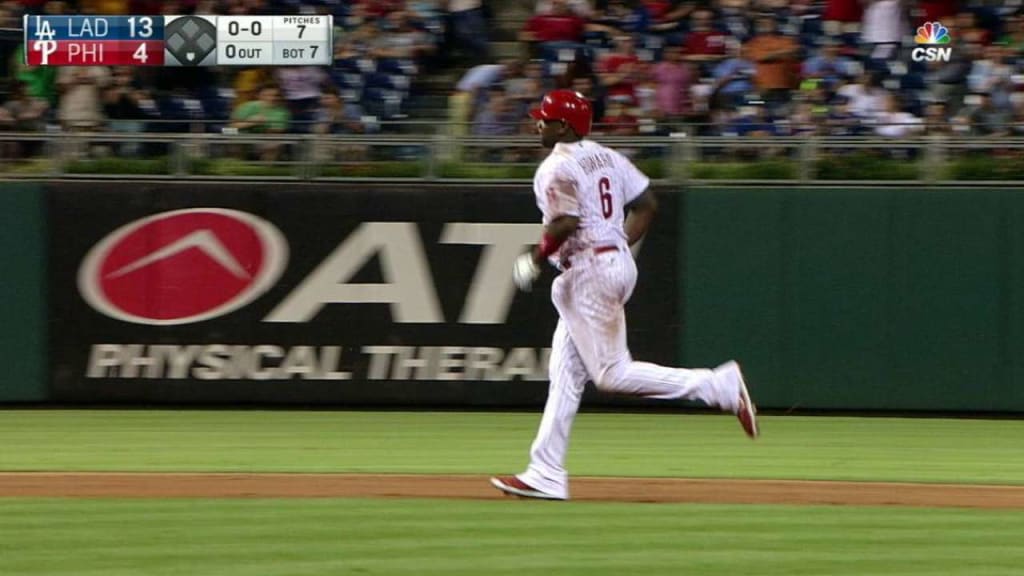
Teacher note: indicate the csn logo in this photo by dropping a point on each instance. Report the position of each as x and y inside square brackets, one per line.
[932, 39]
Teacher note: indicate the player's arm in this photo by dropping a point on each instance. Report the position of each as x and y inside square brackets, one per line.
[528, 266]
[563, 209]
[640, 213]
[563, 206]
[555, 234]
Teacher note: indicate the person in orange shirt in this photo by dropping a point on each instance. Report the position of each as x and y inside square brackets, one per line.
[777, 59]
[104, 7]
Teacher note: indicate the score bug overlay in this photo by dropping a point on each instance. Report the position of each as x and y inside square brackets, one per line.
[94, 40]
[185, 40]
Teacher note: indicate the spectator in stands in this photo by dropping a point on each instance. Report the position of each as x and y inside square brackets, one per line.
[9, 14]
[336, 115]
[704, 45]
[582, 8]
[469, 28]
[894, 121]
[988, 119]
[935, 11]
[735, 19]
[148, 7]
[829, 66]
[866, 96]
[103, 6]
[619, 120]
[588, 86]
[379, 8]
[423, 11]
[968, 30]
[302, 87]
[81, 103]
[947, 81]
[677, 13]
[127, 105]
[755, 120]
[524, 85]
[842, 16]
[427, 16]
[882, 29]
[733, 78]
[673, 79]
[39, 81]
[22, 113]
[265, 115]
[358, 15]
[463, 102]
[619, 70]
[800, 19]
[841, 119]
[26, 113]
[1013, 37]
[1017, 128]
[621, 17]
[497, 118]
[400, 40]
[32, 6]
[58, 7]
[247, 83]
[808, 120]
[991, 74]
[558, 25]
[777, 61]
[936, 120]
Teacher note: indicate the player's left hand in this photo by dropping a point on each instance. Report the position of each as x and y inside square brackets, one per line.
[525, 272]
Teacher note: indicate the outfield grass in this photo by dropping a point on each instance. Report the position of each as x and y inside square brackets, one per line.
[338, 536]
[838, 448]
[296, 537]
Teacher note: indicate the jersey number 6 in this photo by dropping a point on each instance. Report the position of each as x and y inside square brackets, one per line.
[604, 185]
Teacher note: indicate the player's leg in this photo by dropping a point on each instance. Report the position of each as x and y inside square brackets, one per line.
[546, 473]
[593, 312]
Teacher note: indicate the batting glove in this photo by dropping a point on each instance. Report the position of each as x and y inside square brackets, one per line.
[525, 272]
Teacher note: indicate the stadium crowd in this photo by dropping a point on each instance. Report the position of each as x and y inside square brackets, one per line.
[769, 67]
[722, 67]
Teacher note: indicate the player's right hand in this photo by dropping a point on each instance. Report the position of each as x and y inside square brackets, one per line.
[525, 272]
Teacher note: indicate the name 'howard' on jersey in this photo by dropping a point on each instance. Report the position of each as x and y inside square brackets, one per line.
[593, 183]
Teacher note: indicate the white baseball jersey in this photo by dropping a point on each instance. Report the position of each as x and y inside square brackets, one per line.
[593, 183]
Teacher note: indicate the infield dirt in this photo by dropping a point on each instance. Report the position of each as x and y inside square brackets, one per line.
[731, 491]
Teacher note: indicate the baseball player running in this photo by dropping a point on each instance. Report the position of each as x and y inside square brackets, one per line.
[595, 204]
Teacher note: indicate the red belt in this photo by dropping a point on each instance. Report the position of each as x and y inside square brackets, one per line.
[567, 262]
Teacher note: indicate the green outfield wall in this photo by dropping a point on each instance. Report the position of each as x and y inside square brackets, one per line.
[857, 299]
[907, 299]
[22, 293]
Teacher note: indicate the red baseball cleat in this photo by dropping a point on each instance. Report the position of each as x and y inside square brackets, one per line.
[746, 412]
[516, 487]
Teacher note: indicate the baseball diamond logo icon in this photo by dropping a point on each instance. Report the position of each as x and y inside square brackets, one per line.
[190, 39]
[182, 266]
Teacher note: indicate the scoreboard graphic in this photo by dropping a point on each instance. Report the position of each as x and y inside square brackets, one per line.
[179, 40]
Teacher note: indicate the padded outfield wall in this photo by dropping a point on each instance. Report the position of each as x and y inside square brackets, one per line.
[902, 299]
[23, 377]
[908, 299]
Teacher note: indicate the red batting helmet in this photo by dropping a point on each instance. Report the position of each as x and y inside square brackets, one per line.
[569, 106]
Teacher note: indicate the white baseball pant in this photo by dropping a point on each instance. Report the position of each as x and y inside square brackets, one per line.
[590, 344]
